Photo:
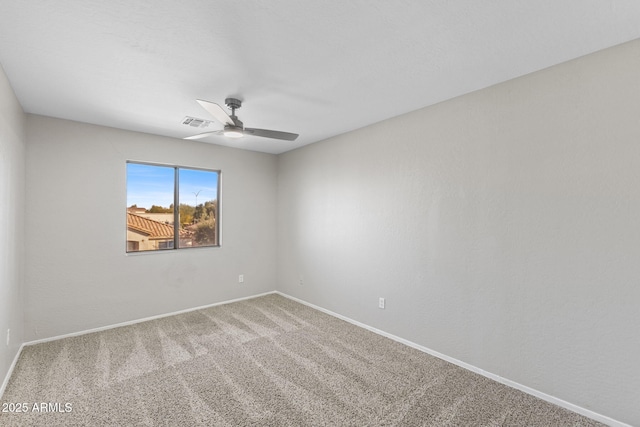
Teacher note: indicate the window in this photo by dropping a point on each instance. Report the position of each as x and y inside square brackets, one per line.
[165, 245]
[171, 207]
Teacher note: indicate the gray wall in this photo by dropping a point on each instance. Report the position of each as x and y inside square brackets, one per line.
[12, 190]
[502, 227]
[77, 273]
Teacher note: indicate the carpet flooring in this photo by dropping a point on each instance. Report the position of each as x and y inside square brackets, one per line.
[267, 361]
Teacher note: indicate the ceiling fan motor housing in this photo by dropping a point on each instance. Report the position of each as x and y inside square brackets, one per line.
[233, 103]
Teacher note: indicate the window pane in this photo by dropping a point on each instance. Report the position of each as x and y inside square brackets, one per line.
[198, 195]
[150, 218]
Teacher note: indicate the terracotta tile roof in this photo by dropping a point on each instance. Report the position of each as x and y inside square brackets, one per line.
[153, 229]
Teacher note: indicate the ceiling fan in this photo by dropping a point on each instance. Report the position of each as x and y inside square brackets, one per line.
[233, 127]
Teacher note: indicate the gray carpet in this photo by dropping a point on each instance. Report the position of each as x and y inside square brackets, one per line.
[267, 361]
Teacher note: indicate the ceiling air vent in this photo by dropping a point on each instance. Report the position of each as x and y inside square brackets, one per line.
[196, 123]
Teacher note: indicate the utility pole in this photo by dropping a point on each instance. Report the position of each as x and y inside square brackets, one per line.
[194, 214]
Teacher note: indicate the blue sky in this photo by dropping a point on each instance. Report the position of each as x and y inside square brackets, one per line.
[149, 185]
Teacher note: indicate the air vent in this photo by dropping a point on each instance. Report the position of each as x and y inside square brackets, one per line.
[196, 123]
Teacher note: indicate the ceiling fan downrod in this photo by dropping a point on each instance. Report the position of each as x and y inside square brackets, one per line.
[233, 104]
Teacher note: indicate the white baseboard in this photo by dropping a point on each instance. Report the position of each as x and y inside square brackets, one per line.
[546, 397]
[145, 319]
[117, 325]
[10, 371]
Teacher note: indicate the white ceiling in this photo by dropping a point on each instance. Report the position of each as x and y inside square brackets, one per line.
[317, 68]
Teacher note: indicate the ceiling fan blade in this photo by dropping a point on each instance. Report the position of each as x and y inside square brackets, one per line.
[202, 135]
[217, 112]
[271, 134]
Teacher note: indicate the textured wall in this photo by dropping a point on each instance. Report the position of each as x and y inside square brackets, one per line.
[77, 273]
[12, 189]
[501, 226]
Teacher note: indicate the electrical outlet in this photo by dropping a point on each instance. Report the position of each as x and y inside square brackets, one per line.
[8, 336]
[301, 282]
[241, 278]
[380, 302]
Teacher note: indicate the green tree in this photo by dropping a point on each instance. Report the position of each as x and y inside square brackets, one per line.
[205, 232]
[159, 209]
[207, 210]
[211, 207]
[186, 214]
[199, 213]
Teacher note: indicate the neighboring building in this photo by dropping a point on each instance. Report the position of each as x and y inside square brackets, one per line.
[136, 210]
[144, 234]
[167, 218]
